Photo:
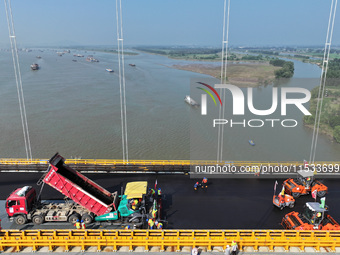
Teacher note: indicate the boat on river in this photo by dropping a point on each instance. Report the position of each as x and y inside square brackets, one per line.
[34, 66]
[251, 142]
[190, 101]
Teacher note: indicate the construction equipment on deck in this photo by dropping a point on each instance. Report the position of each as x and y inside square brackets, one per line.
[314, 217]
[91, 201]
[281, 201]
[304, 184]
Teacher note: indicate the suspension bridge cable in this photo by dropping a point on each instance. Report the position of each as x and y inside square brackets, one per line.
[122, 78]
[323, 78]
[17, 72]
[224, 63]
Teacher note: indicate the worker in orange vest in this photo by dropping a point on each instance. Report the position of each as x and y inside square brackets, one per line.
[204, 183]
[77, 225]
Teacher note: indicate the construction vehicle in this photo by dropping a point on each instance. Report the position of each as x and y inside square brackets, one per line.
[304, 184]
[281, 201]
[90, 201]
[314, 217]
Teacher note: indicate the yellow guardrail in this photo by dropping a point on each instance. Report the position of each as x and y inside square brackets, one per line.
[21, 161]
[176, 239]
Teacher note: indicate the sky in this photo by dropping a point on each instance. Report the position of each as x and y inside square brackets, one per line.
[169, 22]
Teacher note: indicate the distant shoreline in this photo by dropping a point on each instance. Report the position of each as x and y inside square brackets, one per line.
[245, 74]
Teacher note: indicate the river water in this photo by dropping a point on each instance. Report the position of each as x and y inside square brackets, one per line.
[74, 108]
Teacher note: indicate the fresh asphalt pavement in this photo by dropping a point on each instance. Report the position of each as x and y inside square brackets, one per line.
[225, 204]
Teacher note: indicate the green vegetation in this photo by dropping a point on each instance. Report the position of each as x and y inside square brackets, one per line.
[287, 70]
[183, 52]
[240, 74]
[336, 134]
[252, 57]
[334, 69]
[266, 52]
[330, 117]
[116, 52]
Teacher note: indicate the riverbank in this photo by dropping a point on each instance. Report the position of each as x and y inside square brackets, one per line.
[330, 117]
[242, 74]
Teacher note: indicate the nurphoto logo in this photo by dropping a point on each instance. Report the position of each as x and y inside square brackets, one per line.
[238, 107]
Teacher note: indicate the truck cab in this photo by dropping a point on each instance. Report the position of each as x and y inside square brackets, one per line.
[19, 203]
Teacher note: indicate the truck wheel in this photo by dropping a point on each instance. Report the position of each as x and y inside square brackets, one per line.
[87, 218]
[38, 219]
[322, 193]
[73, 218]
[291, 205]
[296, 194]
[20, 220]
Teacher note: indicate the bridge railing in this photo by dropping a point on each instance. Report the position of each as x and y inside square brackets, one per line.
[165, 239]
[21, 161]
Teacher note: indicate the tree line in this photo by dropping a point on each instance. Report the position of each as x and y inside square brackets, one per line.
[287, 70]
[330, 117]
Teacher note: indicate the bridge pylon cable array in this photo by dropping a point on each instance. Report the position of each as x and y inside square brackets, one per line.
[122, 78]
[20, 91]
[224, 64]
[323, 77]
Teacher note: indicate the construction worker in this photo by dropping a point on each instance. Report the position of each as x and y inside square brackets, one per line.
[127, 227]
[152, 192]
[151, 223]
[227, 250]
[82, 224]
[196, 185]
[77, 225]
[194, 251]
[204, 183]
[234, 248]
[282, 195]
[134, 204]
[154, 213]
[159, 192]
[159, 225]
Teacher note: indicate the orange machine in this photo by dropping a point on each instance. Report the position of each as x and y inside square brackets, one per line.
[314, 217]
[283, 201]
[304, 184]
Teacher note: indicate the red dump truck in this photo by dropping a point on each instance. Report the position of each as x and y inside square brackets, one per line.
[89, 200]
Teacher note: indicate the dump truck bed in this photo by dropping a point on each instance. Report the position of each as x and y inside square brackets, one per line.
[78, 187]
